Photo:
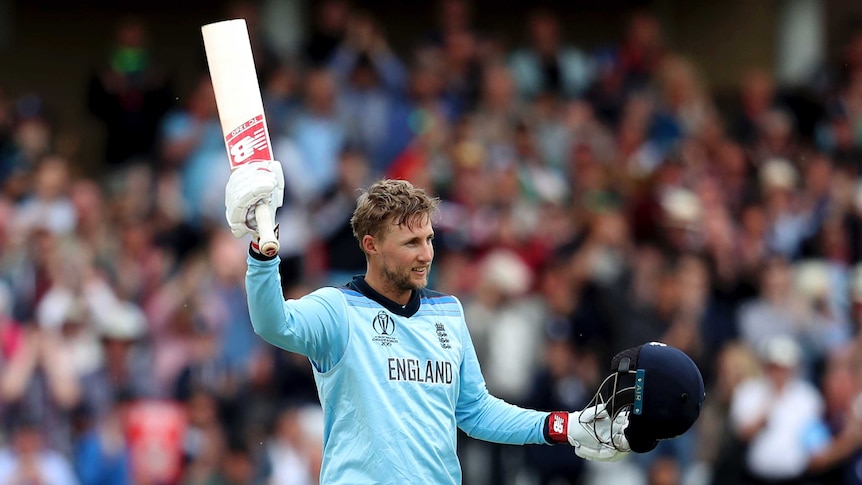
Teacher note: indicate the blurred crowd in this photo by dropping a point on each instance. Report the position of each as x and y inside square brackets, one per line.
[592, 200]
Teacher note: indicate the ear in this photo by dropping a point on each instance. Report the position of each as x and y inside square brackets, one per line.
[369, 244]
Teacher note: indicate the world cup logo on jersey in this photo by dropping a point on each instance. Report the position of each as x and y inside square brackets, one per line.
[384, 325]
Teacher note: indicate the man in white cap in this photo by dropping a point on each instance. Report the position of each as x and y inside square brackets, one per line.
[772, 412]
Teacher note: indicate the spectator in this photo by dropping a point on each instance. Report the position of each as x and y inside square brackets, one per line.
[224, 309]
[463, 71]
[282, 98]
[757, 97]
[101, 452]
[249, 412]
[497, 115]
[205, 442]
[26, 459]
[122, 328]
[49, 205]
[683, 107]
[238, 467]
[451, 16]
[825, 327]
[418, 125]
[30, 139]
[293, 449]
[838, 439]
[505, 321]
[546, 65]
[129, 94]
[606, 94]
[193, 147]
[771, 313]
[41, 380]
[720, 450]
[773, 415]
[328, 31]
[641, 51]
[776, 137]
[177, 333]
[319, 133]
[542, 182]
[369, 77]
[787, 222]
[567, 377]
[331, 219]
[91, 208]
[599, 264]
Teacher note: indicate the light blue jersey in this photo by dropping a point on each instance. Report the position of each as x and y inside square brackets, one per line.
[395, 381]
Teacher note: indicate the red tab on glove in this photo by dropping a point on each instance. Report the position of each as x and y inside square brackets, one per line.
[557, 427]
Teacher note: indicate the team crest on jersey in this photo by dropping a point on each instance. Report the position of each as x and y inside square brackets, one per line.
[442, 336]
[384, 325]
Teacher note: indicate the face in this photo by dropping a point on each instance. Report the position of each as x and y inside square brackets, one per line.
[778, 374]
[28, 440]
[400, 260]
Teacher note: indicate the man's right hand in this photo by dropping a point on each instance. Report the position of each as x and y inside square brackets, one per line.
[256, 182]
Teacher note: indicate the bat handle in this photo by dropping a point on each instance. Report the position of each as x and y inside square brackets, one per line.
[266, 231]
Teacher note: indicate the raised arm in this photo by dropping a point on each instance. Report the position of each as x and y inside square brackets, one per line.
[314, 325]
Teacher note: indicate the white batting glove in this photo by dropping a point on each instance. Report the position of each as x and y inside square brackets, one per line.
[596, 436]
[256, 182]
[593, 434]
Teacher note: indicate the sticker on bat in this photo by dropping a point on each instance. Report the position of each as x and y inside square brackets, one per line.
[248, 142]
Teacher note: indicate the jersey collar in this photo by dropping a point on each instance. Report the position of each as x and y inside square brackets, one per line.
[407, 310]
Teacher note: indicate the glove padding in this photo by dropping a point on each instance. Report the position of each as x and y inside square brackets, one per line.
[596, 437]
[253, 183]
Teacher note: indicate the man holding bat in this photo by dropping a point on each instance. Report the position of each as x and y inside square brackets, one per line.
[395, 367]
[394, 364]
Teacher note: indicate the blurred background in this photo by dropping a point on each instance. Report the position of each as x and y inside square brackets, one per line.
[611, 172]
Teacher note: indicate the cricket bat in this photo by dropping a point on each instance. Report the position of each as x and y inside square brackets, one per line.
[240, 107]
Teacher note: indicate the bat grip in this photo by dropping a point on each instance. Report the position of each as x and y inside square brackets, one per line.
[268, 243]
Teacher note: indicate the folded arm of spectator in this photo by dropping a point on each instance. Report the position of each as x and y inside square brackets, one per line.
[15, 376]
[847, 442]
[45, 349]
[747, 431]
[56, 360]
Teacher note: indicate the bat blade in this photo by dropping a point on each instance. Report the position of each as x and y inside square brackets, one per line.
[240, 106]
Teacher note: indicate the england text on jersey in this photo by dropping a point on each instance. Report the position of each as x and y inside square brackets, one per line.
[414, 370]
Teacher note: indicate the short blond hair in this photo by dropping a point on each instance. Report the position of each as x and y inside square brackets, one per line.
[388, 202]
